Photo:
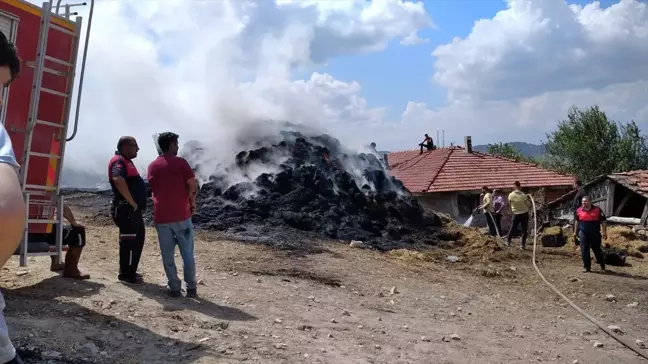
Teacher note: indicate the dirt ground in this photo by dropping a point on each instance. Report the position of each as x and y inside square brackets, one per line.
[344, 305]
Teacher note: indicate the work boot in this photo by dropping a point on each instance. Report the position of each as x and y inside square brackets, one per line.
[192, 293]
[54, 267]
[586, 270]
[71, 269]
[129, 280]
[603, 267]
[175, 294]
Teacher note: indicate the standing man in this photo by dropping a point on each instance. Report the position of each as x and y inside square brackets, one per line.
[487, 206]
[577, 202]
[173, 186]
[129, 201]
[588, 224]
[12, 205]
[578, 197]
[519, 202]
[498, 205]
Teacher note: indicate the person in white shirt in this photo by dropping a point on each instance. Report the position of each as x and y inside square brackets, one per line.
[12, 205]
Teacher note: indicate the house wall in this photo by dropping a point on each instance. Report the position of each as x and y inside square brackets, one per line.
[447, 203]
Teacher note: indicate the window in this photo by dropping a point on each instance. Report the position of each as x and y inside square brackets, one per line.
[467, 203]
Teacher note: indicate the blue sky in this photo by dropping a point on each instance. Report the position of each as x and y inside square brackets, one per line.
[402, 73]
[535, 70]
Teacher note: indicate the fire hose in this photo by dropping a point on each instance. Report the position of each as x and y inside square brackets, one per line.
[570, 302]
[553, 288]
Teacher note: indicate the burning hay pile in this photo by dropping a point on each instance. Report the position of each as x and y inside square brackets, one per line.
[304, 188]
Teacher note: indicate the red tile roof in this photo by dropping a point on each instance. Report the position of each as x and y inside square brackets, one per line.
[453, 169]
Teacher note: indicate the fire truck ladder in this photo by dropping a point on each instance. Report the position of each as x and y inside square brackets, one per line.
[52, 192]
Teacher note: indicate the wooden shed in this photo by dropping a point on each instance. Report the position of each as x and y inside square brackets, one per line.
[622, 196]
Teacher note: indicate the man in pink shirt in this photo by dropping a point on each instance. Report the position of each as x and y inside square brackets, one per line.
[173, 187]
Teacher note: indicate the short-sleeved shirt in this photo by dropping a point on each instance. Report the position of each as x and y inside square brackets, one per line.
[498, 203]
[168, 176]
[7, 155]
[488, 203]
[120, 166]
[589, 221]
[518, 201]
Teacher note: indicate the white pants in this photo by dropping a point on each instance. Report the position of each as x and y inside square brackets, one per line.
[7, 350]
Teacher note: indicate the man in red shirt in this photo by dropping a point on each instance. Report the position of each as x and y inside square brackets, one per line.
[173, 186]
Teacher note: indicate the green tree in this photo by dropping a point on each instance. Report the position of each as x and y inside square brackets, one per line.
[588, 144]
[507, 150]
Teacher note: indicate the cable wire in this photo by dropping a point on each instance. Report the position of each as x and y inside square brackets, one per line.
[616, 337]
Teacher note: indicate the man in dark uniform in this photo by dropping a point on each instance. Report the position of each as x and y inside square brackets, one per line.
[588, 225]
[128, 204]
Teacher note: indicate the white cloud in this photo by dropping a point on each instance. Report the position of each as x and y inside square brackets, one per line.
[536, 46]
[211, 70]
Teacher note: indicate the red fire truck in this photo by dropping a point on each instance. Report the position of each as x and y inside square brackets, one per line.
[36, 110]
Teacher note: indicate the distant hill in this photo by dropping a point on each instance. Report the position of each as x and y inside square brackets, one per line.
[527, 149]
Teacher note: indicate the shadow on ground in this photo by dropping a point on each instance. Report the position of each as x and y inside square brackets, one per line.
[208, 308]
[35, 313]
[609, 272]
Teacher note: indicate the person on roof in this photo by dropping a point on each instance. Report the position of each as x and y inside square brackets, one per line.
[74, 237]
[589, 222]
[427, 143]
[489, 210]
[128, 204]
[173, 186]
[519, 202]
[12, 205]
[372, 148]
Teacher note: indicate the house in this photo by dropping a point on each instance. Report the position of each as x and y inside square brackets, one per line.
[449, 180]
[622, 196]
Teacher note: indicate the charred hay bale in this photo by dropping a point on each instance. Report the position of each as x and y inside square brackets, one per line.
[313, 192]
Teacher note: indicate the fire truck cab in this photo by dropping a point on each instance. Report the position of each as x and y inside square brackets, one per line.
[36, 110]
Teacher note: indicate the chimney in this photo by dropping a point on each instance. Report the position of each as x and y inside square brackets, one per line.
[468, 144]
[385, 159]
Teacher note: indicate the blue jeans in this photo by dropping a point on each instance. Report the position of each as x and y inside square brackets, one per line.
[182, 235]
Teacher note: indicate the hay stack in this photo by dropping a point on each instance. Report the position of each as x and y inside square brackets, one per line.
[555, 236]
[624, 238]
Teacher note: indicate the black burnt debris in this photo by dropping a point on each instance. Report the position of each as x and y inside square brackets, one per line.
[304, 188]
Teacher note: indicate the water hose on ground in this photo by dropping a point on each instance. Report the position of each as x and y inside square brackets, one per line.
[616, 337]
